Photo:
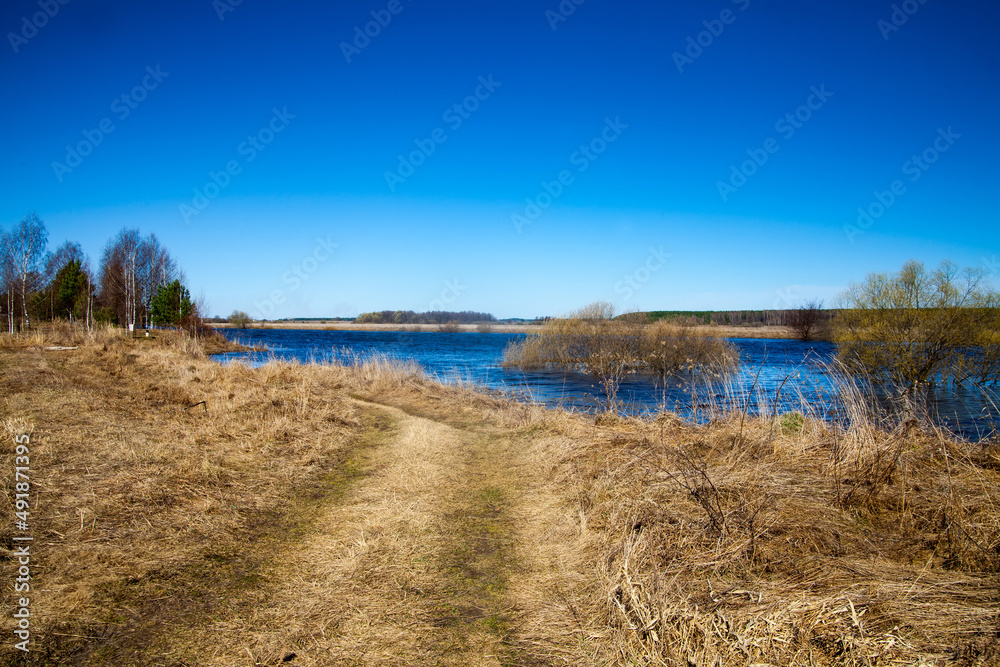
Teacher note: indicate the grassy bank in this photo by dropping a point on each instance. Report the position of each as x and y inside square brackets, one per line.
[153, 470]
[190, 513]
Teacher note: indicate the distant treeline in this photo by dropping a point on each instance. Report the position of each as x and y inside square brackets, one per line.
[721, 317]
[733, 317]
[432, 317]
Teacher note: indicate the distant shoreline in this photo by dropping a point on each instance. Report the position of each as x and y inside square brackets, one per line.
[720, 331]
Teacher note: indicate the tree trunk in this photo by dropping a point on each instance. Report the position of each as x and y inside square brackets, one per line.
[89, 289]
[24, 299]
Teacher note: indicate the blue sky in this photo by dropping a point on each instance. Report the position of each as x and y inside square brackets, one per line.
[713, 154]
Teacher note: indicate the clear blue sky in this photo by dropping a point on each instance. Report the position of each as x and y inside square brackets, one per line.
[671, 128]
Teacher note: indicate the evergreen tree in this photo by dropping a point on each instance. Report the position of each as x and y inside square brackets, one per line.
[70, 286]
[171, 304]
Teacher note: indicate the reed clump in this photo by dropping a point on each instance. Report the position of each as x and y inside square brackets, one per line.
[670, 349]
[610, 347]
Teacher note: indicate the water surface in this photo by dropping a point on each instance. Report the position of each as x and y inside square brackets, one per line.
[776, 376]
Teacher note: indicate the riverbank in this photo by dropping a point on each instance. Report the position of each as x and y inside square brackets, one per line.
[703, 329]
[187, 512]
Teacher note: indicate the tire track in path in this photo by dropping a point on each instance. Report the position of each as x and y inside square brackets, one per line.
[445, 551]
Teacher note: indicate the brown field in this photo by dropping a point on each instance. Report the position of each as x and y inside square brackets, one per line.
[187, 513]
[708, 330]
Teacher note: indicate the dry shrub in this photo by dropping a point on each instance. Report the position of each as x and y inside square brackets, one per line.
[669, 349]
[609, 347]
[908, 328]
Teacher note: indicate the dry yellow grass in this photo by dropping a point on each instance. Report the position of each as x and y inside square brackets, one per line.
[366, 515]
[724, 545]
[151, 468]
[280, 516]
[730, 331]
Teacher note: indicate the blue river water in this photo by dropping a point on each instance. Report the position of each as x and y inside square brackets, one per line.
[776, 376]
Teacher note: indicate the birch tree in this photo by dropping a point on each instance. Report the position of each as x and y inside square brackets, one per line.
[26, 245]
[119, 275]
[156, 269]
[132, 269]
[7, 278]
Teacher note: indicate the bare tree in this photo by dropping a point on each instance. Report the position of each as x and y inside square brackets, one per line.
[593, 339]
[239, 319]
[119, 276]
[156, 268]
[26, 244]
[133, 268]
[7, 278]
[806, 319]
[63, 255]
[90, 295]
[910, 327]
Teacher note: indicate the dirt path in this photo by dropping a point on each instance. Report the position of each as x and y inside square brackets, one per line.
[448, 550]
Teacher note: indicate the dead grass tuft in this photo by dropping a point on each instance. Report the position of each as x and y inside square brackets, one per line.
[731, 544]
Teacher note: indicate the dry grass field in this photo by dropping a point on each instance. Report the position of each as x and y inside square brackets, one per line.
[188, 513]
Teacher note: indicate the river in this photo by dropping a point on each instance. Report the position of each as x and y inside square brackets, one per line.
[776, 376]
